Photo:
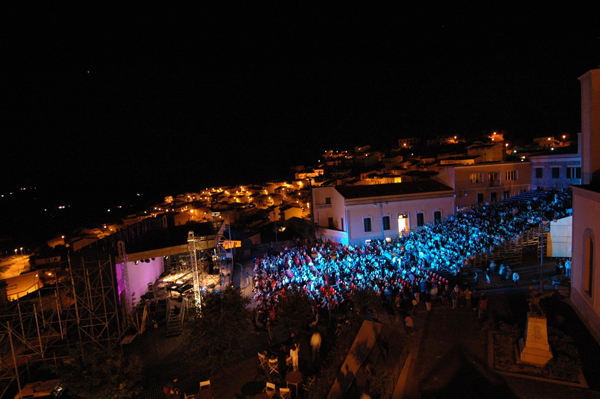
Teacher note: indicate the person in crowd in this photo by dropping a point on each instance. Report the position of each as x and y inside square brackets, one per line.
[483, 301]
[409, 324]
[492, 267]
[467, 294]
[428, 300]
[294, 353]
[501, 271]
[329, 273]
[446, 296]
[568, 267]
[516, 278]
[455, 295]
[559, 267]
[315, 344]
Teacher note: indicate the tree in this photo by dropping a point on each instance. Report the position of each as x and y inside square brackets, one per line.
[294, 310]
[366, 301]
[214, 336]
[98, 373]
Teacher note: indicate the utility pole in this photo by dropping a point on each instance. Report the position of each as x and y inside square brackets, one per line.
[542, 255]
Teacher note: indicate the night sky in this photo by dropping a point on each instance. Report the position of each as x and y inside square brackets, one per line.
[188, 98]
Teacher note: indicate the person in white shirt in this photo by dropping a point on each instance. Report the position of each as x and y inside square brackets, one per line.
[568, 267]
[315, 343]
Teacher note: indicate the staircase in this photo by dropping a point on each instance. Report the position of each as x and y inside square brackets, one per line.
[174, 326]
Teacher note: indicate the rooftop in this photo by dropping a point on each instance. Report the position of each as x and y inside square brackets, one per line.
[393, 189]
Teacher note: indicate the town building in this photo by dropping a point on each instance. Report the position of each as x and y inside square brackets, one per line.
[443, 140]
[484, 183]
[547, 142]
[585, 281]
[556, 170]
[356, 214]
[487, 152]
[409, 142]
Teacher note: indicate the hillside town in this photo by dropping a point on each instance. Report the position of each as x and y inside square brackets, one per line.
[448, 222]
[473, 173]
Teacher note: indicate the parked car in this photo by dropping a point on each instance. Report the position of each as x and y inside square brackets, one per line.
[41, 389]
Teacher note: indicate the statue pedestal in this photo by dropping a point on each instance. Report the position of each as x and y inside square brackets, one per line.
[534, 348]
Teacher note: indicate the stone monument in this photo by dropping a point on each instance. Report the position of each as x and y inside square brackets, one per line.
[534, 348]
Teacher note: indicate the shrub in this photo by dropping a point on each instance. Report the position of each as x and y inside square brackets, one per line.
[565, 364]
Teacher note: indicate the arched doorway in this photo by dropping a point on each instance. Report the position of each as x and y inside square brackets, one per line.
[403, 226]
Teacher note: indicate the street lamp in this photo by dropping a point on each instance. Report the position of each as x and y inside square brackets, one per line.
[21, 251]
[16, 251]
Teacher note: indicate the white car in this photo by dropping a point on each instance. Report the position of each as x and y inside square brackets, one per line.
[41, 389]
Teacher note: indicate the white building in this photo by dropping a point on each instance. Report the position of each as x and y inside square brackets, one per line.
[556, 171]
[355, 214]
[585, 281]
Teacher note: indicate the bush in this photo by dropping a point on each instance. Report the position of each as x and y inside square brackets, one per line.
[565, 364]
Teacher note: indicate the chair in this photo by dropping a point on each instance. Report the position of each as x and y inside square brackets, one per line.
[306, 385]
[189, 396]
[285, 393]
[204, 384]
[263, 359]
[273, 366]
[270, 389]
[288, 362]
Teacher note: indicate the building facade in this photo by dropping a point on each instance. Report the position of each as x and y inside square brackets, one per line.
[486, 183]
[585, 281]
[556, 171]
[355, 214]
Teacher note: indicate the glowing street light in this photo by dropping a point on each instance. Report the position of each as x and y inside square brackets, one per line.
[16, 251]
[21, 251]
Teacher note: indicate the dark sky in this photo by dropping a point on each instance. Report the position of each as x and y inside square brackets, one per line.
[193, 97]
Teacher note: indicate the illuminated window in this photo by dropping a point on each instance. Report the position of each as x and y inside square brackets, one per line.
[367, 222]
[476, 177]
[493, 176]
[511, 175]
[386, 222]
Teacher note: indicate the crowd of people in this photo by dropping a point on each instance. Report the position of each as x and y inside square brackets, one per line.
[409, 267]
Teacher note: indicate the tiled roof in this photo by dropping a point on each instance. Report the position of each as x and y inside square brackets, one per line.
[393, 189]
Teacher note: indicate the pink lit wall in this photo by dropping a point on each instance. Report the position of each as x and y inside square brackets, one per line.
[140, 276]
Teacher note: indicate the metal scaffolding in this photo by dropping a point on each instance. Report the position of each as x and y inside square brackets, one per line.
[195, 272]
[199, 249]
[224, 255]
[78, 308]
